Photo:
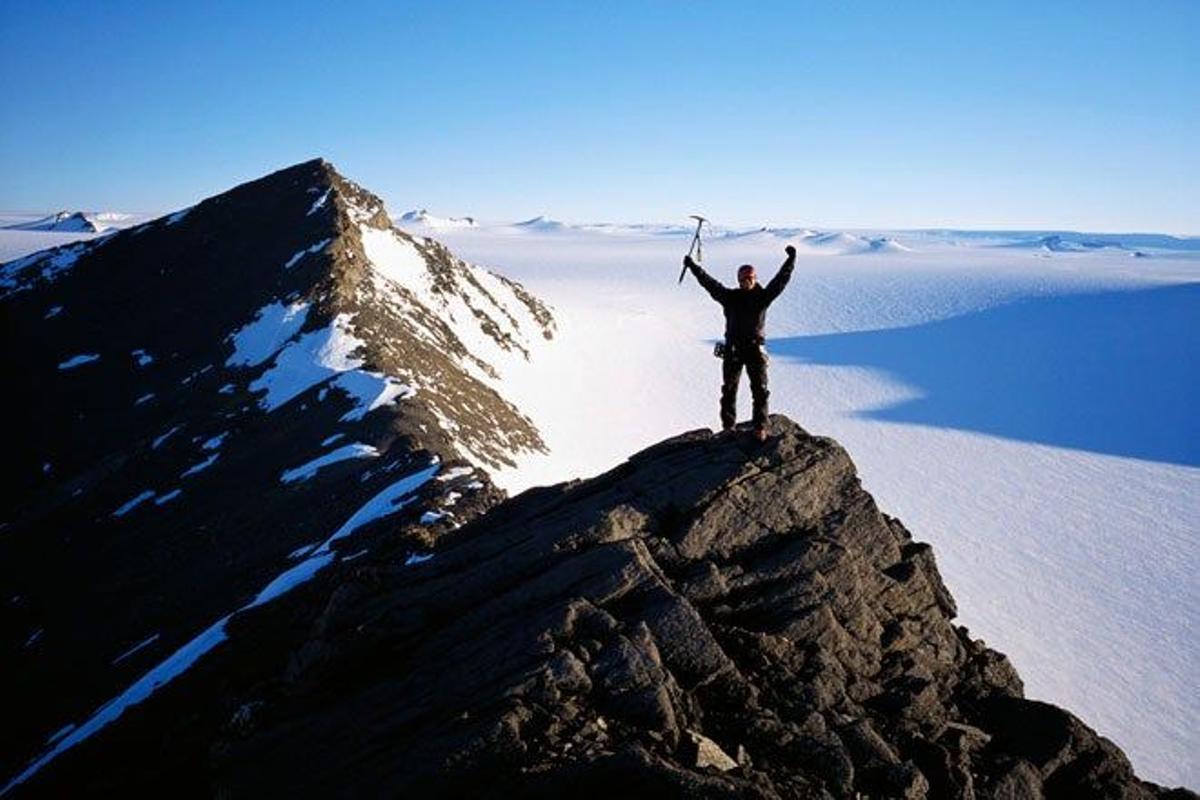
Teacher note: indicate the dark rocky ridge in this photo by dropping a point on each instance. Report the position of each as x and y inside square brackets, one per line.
[82, 585]
[713, 618]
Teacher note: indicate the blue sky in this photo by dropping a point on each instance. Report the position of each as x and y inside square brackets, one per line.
[859, 114]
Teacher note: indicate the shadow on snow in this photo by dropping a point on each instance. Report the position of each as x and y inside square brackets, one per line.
[1114, 372]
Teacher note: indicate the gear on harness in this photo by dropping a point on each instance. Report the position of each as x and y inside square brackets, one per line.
[695, 247]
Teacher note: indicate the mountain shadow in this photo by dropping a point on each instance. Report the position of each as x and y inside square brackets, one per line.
[1115, 372]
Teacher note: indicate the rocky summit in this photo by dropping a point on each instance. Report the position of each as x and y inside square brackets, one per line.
[714, 618]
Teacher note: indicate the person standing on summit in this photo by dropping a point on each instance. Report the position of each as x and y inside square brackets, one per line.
[744, 346]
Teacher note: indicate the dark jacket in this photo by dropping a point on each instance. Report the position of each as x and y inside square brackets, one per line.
[745, 309]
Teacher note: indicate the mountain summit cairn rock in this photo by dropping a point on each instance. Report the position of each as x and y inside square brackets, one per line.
[713, 618]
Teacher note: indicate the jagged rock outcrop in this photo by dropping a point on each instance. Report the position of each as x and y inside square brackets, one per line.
[198, 402]
[714, 618]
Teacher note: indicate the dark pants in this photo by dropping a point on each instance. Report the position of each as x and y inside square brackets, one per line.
[754, 358]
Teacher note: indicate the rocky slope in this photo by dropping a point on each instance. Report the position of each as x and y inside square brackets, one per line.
[713, 618]
[222, 398]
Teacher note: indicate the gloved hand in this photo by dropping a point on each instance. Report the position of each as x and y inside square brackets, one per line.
[687, 262]
[791, 251]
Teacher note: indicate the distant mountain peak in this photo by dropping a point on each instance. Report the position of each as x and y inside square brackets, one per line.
[424, 218]
[63, 221]
[541, 223]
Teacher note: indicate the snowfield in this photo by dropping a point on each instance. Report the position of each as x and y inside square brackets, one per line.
[1025, 402]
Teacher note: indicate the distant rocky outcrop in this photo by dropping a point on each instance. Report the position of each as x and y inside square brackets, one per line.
[540, 223]
[63, 222]
[425, 219]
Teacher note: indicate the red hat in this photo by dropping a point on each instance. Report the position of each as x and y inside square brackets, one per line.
[745, 270]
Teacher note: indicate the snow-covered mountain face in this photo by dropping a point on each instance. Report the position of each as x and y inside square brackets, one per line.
[212, 407]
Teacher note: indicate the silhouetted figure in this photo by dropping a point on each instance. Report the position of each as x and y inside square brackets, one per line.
[745, 318]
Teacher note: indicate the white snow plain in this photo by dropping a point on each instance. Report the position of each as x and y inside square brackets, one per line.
[1023, 402]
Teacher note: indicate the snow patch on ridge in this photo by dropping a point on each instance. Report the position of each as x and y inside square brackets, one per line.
[323, 354]
[139, 646]
[134, 503]
[387, 502]
[316, 248]
[215, 442]
[16, 277]
[259, 339]
[306, 471]
[370, 390]
[82, 358]
[159, 440]
[318, 203]
[203, 465]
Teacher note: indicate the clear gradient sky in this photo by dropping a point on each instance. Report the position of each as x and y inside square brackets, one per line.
[1081, 115]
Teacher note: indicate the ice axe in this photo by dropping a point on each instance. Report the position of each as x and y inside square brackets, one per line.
[695, 244]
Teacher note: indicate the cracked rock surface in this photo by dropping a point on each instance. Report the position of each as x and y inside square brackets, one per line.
[713, 618]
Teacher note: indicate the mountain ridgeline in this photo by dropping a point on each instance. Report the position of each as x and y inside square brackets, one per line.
[199, 401]
[250, 548]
